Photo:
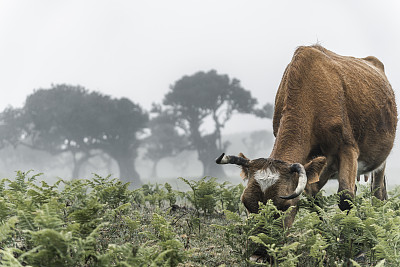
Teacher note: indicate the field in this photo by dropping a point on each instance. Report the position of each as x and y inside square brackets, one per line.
[101, 222]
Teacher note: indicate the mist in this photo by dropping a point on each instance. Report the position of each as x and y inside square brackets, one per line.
[138, 50]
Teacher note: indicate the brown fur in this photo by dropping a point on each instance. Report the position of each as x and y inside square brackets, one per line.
[331, 112]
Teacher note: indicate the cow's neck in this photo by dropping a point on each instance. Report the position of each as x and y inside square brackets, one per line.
[293, 140]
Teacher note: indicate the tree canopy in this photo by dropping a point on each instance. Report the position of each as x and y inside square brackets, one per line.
[70, 118]
[164, 139]
[207, 95]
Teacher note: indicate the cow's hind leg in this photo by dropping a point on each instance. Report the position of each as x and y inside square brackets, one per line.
[347, 175]
[378, 183]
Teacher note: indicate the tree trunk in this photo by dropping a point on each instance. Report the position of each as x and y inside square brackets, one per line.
[154, 169]
[207, 158]
[76, 169]
[210, 168]
[207, 152]
[127, 171]
[78, 164]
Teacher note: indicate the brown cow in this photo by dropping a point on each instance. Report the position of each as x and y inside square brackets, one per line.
[335, 118]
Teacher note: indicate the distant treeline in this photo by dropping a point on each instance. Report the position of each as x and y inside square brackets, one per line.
[71, 119]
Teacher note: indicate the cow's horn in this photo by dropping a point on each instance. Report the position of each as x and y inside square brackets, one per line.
[224, 159]
[297, 167]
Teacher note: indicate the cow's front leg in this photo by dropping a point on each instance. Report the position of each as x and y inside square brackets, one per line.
[347, 175]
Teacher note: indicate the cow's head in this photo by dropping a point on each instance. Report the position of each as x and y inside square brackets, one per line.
[277, 180]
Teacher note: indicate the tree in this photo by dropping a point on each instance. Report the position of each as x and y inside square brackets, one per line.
[119, 122]
[267, 111]
[204, 95]
[71, 119]
[11, 125]
[164, 139]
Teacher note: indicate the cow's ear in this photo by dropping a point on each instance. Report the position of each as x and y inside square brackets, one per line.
[243, 156]
[244, 171]
[314, 169]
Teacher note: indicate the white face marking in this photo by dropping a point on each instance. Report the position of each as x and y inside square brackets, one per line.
[266, 178]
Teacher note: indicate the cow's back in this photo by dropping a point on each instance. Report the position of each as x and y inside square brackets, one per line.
[343, 100]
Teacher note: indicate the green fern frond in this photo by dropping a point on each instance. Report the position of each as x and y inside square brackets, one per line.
[8, 259]
[7, 228]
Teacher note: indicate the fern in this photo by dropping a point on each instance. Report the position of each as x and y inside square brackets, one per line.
[8, 259]
[48, 217]
[101, 222]
[87, 216]
[203, 195]
[7, 228]
[111, 192]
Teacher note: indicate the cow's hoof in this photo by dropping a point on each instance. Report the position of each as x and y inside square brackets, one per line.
[345, 201]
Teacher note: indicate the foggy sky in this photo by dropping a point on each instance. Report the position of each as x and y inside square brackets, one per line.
[137, 49]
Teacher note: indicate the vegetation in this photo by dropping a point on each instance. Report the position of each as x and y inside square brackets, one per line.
[74, 123]
[70, 119]
[207, 95]
[101, 222]
[164, 139]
